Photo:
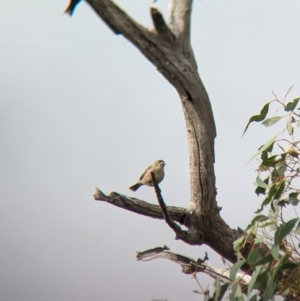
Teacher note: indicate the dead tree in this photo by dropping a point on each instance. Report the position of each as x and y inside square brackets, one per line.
[168, 47]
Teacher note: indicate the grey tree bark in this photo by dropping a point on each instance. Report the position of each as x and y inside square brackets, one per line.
[168, 47]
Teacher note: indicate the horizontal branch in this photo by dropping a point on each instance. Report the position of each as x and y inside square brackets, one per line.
[140, 207]
[189, 265]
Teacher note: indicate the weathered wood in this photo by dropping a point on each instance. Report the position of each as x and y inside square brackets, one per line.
[175, 60]
[190, 265]
[140, 207]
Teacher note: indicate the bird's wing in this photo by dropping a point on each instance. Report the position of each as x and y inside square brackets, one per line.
[147, 169]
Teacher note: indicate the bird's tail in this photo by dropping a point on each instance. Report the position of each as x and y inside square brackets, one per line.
[135, 187]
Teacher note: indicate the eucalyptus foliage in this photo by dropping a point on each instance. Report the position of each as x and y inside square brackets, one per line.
[274, 260]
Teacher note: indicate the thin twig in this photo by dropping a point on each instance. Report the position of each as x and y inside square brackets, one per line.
[180, 234]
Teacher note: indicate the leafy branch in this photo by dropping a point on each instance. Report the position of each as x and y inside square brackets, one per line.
[276, 272]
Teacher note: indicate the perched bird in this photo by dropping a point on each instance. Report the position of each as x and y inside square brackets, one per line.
[146, 179]
[70, 9]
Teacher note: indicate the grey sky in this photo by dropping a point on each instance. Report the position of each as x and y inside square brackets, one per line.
[81, 107]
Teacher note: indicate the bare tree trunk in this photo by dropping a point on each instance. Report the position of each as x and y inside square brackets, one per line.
[168, 47]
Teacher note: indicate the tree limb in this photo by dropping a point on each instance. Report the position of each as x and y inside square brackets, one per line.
[177, 64]
[186, 236]
[189, 265]
[180, 24]
[140, 207]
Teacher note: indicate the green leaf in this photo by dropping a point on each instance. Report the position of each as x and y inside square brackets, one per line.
[258, 118]
[254, 298]
[265, 260]
[269, 162]
[275, 252]
[289, 127]
[260, 190]
[278, 267]
[254, 276]
[298, 123]
[288, 91]
[264, 155]
[264, 203]
[293, 194]
[265, 225]
[261, 279]
[220, 291]
[271, 286]
[261, 183]
[260, 239]
[293, 201]
[289, 266]
[254, 256]
[272, 192]
[258, 218]
[238, 295]
[284, 230]
[291, 105]
[237, 243]
[281, 169]
[273, 208]
[264, 147]
[279, 190]
[282, 203]
[270, 121]
[274, 175]
[234, 269]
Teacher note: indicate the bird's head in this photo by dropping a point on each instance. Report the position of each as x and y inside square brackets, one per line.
[160, 163]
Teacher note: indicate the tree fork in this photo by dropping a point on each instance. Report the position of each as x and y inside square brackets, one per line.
[168, 48]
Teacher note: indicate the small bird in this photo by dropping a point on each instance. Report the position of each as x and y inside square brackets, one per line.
[70, 9]
[146, 179]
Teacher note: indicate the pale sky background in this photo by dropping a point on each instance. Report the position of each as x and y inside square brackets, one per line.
[81, 107]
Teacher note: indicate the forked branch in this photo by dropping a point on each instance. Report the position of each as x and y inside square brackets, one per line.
[175, 60]
[180, 234]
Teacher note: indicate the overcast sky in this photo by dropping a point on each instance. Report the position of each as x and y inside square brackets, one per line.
[81, 107]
